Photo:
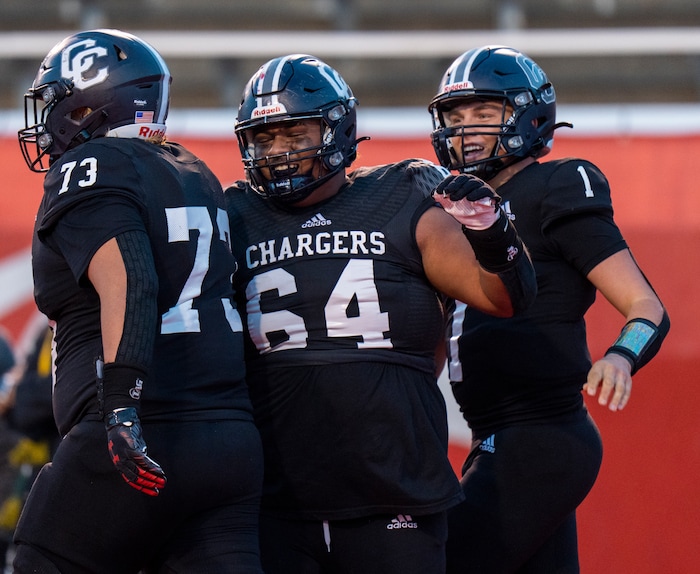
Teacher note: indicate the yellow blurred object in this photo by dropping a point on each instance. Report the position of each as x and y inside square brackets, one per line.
[43, 362]
[28, 451]
[9, 512]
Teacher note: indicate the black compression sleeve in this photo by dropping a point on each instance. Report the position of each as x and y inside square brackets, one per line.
[498, 247]
[521, 283]
[500, 250]
[140, 321]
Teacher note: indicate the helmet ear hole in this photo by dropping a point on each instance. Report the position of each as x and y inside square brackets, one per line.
[80, 113]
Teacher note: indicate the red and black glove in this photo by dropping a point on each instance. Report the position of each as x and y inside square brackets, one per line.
[119, 393]
[129, 454]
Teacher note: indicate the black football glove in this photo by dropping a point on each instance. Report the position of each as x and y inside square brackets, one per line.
[468, 199]
[458, 187]
[128, 451]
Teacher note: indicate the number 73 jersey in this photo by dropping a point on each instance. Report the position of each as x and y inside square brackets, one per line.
[109, 186]
[339, 281]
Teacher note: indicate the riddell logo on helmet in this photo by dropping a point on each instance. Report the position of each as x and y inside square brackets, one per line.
[459, 86]
[269, 111]
[148, 133]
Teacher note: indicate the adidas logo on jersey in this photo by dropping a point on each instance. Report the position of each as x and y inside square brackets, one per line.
[401, 521]
[488, 444]
[316, 221]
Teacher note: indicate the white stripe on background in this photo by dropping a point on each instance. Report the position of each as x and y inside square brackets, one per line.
[16, 280]
[589, 120]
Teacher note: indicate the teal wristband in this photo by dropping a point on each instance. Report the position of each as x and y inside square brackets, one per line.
[634, 340]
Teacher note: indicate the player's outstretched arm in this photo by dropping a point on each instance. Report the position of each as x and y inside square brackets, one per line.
[472, 252]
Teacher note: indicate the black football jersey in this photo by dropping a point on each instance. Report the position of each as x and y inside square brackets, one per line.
[109, 186]
[533, 365]
[342, 326]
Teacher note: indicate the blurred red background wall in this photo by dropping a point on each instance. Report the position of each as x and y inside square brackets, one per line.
[643, 515]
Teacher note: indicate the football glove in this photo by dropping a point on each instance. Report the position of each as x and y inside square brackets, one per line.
[469, 200]
[128, 451]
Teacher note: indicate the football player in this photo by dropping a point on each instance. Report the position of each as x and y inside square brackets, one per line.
[536, 451]
[132, 264]
[340, 278]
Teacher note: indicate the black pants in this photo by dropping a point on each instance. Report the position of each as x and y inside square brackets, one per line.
[381, 544]
[82, 517]
[522, 487]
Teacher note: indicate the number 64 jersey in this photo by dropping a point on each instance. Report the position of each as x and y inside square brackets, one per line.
[342, 326]
[109, 186]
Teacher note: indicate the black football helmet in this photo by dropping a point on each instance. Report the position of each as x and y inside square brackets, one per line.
[92, 84]
[291, 88]
[507, 75]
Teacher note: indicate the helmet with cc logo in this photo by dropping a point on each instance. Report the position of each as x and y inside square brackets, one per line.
[93, 84]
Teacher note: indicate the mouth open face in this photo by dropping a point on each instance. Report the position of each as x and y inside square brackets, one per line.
[473, 152]
[283, 170]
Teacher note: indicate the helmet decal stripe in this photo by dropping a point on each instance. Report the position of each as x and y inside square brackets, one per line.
[164, 85]
[268, 81]
[278, 73]
[261, 82]
[464, 67]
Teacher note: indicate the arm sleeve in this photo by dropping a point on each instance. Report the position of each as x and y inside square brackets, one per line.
[78, 235]
[140, 320]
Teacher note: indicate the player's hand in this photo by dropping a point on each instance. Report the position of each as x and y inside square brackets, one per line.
[128, 451]
[612, 375]
[468, 199]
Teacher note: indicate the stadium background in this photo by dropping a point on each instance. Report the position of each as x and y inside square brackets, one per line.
[634, 105]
